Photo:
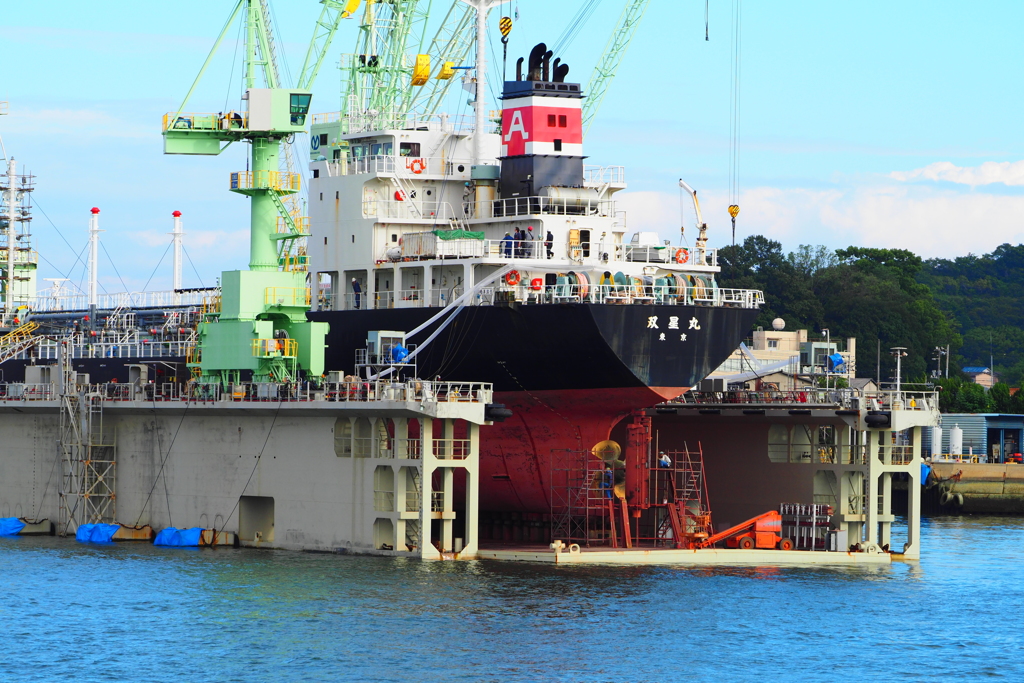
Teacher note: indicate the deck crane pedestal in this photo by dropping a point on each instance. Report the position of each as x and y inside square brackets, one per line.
[258, 324]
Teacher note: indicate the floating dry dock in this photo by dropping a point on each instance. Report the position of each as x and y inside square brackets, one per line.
[355, 466]
[703, 557]
[393, 468]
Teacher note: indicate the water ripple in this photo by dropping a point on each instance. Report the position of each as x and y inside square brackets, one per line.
[135, 612]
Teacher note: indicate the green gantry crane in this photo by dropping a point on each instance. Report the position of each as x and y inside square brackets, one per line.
[259, 324]
[614, 51]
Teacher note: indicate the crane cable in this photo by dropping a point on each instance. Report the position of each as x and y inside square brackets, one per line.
[576, 25]
[734, 116]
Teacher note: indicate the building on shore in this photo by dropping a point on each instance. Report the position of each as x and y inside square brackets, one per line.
[788, 360]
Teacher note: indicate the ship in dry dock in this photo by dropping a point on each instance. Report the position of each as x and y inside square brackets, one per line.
[411, 238]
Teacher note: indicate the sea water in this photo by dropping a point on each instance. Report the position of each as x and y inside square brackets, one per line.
[134, 612]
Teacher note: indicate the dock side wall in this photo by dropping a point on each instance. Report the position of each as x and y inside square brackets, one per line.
[192, 471]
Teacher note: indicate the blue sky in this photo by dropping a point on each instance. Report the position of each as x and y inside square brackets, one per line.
[873, 123]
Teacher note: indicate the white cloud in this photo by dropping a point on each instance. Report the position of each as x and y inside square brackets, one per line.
[988, 173]
[928, 221]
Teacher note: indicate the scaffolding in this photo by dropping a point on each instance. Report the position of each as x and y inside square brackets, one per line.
[590, 505]
[88, 457]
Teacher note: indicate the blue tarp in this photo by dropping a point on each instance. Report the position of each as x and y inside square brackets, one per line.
[835, 361]
[925, 471]
[399, 353]
[11, 526]
[96, 533]
[179, 538]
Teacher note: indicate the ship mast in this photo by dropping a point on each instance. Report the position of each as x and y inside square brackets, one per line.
[483, 182]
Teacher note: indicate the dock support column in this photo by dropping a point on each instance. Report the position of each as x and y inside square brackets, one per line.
[472, 465]
[427, 549]
[886, 518]
[401, 444]
[447, 456]
[448, 510]
[912, 549]
[871, 502]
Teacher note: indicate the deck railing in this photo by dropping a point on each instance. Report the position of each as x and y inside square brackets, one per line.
[532, 294]
[883, 399]
[355, 391]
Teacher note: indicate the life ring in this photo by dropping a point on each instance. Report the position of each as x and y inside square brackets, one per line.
[417, 166]
[512, 278]
[399, 196]
[682, 255]
[536, 284]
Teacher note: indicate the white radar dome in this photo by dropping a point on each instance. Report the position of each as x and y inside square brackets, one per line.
[778, 324]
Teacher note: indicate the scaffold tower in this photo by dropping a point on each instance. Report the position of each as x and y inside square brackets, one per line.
[88, 455]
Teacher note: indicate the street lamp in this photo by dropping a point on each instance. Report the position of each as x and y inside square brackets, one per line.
[900, 353]
[828, 351]
[939, 353]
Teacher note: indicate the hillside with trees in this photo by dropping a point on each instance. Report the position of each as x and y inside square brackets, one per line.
[985, 294]
[873, 295]
[975, 304]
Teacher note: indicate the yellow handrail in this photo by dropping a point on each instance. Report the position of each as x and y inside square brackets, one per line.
[266, 180]
[19, 334]
[287, 296]
[280, 348]
[186, 121]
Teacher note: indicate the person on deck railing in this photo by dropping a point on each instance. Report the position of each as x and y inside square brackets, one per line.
[356, 291]
[506, 245]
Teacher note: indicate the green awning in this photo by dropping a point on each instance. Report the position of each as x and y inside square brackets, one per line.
[458, 235]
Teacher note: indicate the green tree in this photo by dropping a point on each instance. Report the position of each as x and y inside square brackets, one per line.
[869, 294]
[999, 398]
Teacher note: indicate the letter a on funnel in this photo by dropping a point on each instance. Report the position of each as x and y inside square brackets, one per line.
[517, 125]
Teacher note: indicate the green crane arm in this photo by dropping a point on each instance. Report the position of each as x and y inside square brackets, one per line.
[605, 70]
[452, 43]
[326, 26]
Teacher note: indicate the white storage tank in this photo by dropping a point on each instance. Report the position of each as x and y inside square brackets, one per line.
[936, 443]
[956, 440]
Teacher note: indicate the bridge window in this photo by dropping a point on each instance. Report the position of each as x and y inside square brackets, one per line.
[563, 121]
[299, 109]
[551, 120]
[409, 149]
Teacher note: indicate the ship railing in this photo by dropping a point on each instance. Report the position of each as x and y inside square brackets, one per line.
[604, 175]
[531, 206]
[20, 392]
[49, 349]
[362, 122]
[796, 397]
[45, 302]
[906, 397]
[360, 391]
[535, 291]
[411, 209]
[412, 390]
[685, 256]
[407, 167]
[540, 249]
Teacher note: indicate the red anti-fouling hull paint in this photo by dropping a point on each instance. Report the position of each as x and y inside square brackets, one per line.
[516, 455]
